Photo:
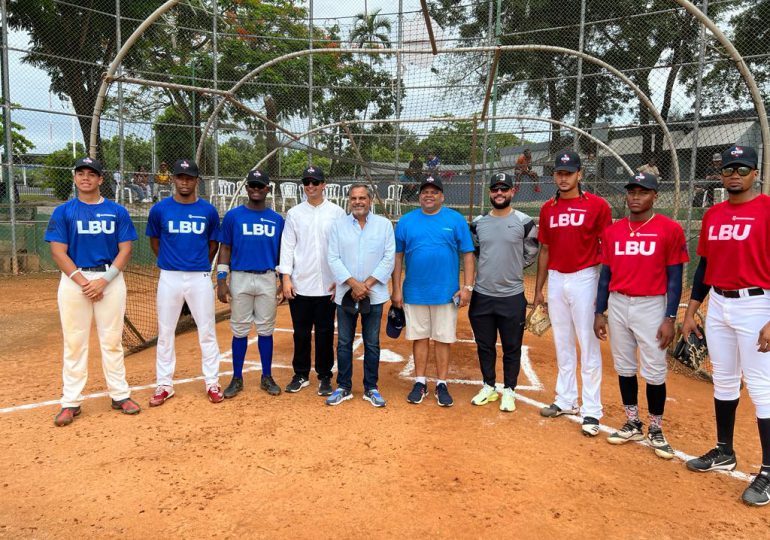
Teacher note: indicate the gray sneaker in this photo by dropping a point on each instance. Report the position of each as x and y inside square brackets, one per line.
[631, 431]
[338, 396]
[373, 396]
[553, 410]
[758, 492]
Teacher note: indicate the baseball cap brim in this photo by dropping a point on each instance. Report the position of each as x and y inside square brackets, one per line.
[568, 168]
[740, 161]
[97, 170]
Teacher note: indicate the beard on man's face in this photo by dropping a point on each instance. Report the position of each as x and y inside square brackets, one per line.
[505, 203]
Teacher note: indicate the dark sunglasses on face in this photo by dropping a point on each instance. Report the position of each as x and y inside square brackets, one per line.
[743, 171]
[308, 181]
[256, 185]
[500, 189]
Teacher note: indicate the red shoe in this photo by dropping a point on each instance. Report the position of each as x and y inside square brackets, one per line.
[162, 393]
[66, 416]
[215, 393]
[126, 406]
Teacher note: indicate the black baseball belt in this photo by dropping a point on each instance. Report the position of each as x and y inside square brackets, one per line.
[99, 268]
[738, 293]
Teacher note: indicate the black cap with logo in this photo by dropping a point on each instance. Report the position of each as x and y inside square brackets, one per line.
[185, 166]
[740, 155]
[396, 322]
[567, 161]
[313, 173]
[432, 181]
[501, 179]
[645, 180]
[257, 178]
[89, 163]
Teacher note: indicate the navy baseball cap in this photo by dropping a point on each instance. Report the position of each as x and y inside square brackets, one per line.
[740, 155]
[396, 322]
[313, 173]
[501, 178]
[257, 178]
[185, 166]
[567, 161]
[645, 180]
[431, 180]
[89, 163]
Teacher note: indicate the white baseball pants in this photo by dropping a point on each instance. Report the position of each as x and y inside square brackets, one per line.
[571, 302]
[77, 312]
[195, 288]
[732, 329]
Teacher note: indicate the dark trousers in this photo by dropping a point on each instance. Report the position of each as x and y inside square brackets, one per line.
[370, 331]
[308, 313]
[489, 316]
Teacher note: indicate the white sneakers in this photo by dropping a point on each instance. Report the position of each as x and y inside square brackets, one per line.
[488, 394]
[508, 403]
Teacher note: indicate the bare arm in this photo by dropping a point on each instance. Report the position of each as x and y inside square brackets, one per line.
[94, 289]
[542, 274]
[223, 289]
[155, 245]
[65, 264]
[397, 297]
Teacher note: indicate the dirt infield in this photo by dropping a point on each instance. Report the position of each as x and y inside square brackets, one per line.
[289, 466]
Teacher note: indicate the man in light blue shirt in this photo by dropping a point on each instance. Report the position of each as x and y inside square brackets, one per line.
[361, 253]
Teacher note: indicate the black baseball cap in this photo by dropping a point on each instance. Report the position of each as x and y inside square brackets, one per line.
[567, 161]
[257, 178]
[185, 166]
[501, 178]
[431, 180]
[89, 163]
[313, 173]
[740, 155]
[396, 322]
[645, 180]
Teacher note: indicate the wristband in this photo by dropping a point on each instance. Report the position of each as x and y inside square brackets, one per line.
[76, 271]
[223, 268]
[111, 273]
[221, 275]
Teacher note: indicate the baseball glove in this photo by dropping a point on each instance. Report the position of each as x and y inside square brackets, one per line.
[538, 321]
[692, 350]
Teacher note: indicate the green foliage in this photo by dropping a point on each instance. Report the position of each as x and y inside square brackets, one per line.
[21, 145]
[173, 139]
[293, 163]
[136, 152]
[58, 170]
[237, 156]
[452, 142]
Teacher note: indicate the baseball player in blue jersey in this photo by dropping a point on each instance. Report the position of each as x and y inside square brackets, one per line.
[183, 231]
[250, 241]
[90, 240]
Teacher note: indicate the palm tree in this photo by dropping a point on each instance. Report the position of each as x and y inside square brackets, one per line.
[371, 31]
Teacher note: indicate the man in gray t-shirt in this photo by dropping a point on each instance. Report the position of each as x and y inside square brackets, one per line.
[506, 243]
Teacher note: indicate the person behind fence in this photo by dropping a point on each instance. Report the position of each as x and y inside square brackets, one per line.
[162, 179]
[250, 241]
[361, 253]
[308, 282]
[734, 265]
[141, 179]
[183, 231]
[641, 284]
[524, 168]
[650, 167]
[433, 162]
[712, 180]
[506, 242]
[91, 240]
[429, 240]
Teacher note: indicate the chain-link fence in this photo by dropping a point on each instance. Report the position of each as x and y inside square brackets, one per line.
[357, 90]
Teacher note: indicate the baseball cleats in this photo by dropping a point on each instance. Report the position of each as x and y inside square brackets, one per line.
[235, 386]
[758, 492]
[508, 403]
[162, 394]
[631, 431]
[553, 410]
[214, 392]
[298, 382]
[657, 440]
[487, 394]
[126, 406]
[373, 396]
[590, 426]
[418, 393]
[66, 416]
[442, 396]
[325, 386]
[713, 460]
[268, 385]
[338, 396]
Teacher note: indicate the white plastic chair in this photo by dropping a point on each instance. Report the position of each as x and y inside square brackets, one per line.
[720, 195]
[126, 193]
[270, 197]
[164, 190]
[224, 191]
[288, 192]
[394, 199]
[332, 192]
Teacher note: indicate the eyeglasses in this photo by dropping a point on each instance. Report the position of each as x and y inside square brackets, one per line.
[255, 185]
[500, 189]
[307, 182]
[743, 171]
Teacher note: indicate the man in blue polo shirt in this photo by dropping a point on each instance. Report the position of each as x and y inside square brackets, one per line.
[250, 241]
[182, 231]
[430, 240]
[91, 240]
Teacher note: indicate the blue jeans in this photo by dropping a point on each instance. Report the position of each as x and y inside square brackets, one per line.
[370, 330]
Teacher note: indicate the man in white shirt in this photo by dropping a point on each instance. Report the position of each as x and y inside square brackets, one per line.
[308, 282]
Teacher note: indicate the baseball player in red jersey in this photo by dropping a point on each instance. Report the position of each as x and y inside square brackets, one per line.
[735, 265]
[570, 228]
[641, 282]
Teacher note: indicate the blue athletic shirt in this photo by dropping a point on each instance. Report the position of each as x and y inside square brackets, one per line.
[92, 232]
[254, 237]
[431, 245]
[184, 231]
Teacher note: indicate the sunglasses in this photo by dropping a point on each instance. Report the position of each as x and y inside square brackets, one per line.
[307, 182]
[256, 185]
[499, 189]
[743, 171]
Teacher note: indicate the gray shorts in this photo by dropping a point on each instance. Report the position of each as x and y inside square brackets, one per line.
[253, 301]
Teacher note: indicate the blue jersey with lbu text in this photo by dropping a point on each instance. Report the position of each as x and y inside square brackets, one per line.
[92, 232]
[254, 237]
[184, 231]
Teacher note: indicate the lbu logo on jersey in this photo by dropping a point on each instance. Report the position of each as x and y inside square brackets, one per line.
[186, 227]
[633, 247]
[258, 229]
[102, 226]
[568, 220]
[729, 232]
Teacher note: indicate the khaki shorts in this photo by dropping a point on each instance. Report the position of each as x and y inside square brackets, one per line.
[253, 302]
[437, 322]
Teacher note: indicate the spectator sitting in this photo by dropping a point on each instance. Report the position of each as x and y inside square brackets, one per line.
[414, 172]
[162, 178]
[433, 162]
[141, 179]
[138, 193]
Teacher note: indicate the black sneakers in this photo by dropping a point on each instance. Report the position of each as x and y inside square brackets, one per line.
[268, 385]
[298, 382]
[418, 393]
[713, 460]
[758, 492]
[235, 386]
[325, 386]
[443, 397]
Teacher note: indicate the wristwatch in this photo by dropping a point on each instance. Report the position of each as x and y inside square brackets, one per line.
[468, 288]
